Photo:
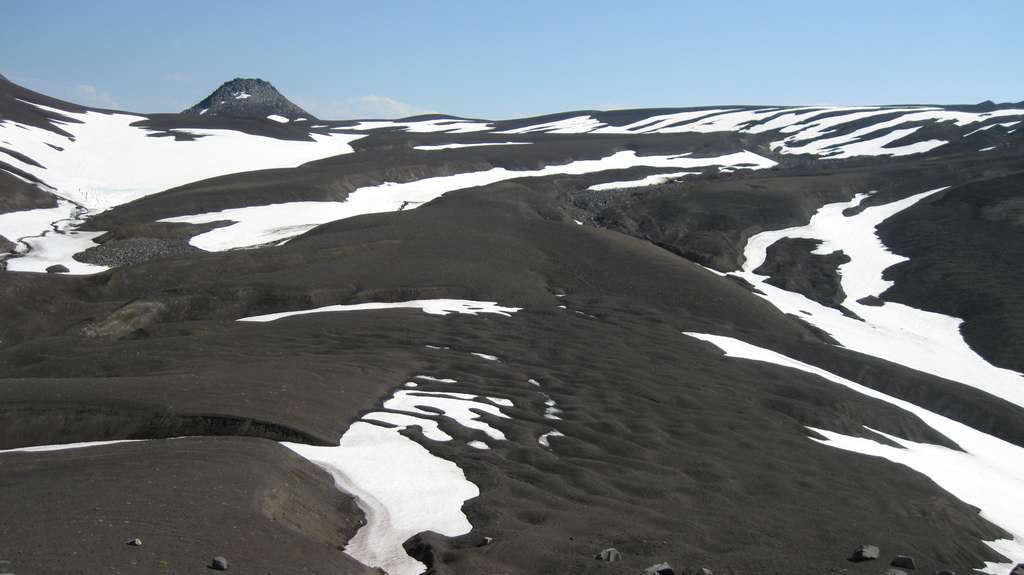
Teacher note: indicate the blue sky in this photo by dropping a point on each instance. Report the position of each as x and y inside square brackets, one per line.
[499, 59]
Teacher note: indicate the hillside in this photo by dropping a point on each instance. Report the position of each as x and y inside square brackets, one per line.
[748, 338]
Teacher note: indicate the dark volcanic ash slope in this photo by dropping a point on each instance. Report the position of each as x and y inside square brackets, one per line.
[248, 98]
[665, 448]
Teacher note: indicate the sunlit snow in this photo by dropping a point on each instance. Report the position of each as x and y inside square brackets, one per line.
[986, 474]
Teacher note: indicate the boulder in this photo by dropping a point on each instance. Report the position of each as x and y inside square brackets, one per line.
[135, 542]
[865, 553]
[1018, 570]
[903, 561]
[660, 569]
[219, 563]
[57, 269]
[610, 554]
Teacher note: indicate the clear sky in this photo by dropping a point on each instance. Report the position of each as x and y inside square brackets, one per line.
[512, 58]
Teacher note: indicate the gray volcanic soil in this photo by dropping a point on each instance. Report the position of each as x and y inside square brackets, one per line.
[672, 452]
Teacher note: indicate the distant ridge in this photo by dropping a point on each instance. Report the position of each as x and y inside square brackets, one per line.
[248, 98]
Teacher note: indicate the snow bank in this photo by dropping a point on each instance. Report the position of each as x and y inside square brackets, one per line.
[400, 486]
[448, 125]
[986, 474]
[431, 306]
[648, 181]
[257, 225]
[456, 146]
[926, 341]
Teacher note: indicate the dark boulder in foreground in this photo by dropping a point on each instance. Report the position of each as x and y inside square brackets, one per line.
[219, 564]
[904, 561]
[865, 553]
[57, 269]
[660, 569]
[611, 554]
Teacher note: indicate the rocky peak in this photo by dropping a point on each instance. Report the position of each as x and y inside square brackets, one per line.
[248, 98]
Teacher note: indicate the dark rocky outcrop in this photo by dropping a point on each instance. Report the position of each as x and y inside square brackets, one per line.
[792, 265]
[247, 98]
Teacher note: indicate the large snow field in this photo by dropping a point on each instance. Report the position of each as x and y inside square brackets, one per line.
[987, 473]
[107, 161]
[926, 341]
[257, 225]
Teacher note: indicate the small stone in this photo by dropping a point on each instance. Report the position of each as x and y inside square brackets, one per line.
[865, 553]
[219, 564]
[660, 569]
[135, 542]
[57, 269]
[610, 554]
[904, 561]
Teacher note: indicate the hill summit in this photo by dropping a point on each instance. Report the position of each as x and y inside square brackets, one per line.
[248, 98]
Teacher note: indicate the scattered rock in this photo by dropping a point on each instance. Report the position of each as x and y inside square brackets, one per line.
[57, 269]
[219, 564]
[130, 251]
[904, 561]
[699, 571]
[865, 553]
[871, 300]
[135, 542]
[610, 554]
[660, 569]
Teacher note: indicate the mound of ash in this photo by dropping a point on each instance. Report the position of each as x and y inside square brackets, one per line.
[248, 98]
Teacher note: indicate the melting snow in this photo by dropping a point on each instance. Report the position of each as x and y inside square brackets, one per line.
[448, 125]
[485, 356]
[543, 439]
[257, 225]
[431, 306]
[400, 486]
[574, 125]
[648, 181]
[922, 340]
[436, 379]
[63, 446]
[461, 408]
[278, 119]
[454, 146]
[986, 474]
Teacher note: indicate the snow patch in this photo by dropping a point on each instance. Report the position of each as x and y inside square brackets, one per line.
[986, 474]
[543, 440]
[258, 225]
[431, 306]
[925, 341]
[402, 489]
[455, 146]
[278, 119]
